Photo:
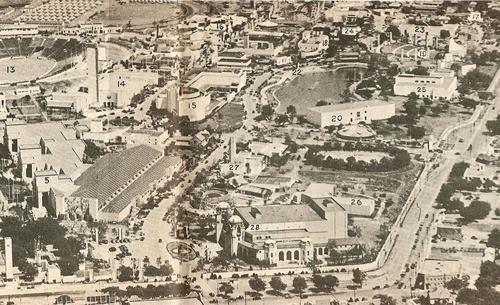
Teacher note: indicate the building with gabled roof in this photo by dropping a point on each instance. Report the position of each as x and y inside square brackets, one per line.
[119, 181]
[283, 234]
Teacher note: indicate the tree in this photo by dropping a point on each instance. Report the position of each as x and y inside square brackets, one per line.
[29, 270]
[411, 108]
[291, 110]
[488, 184]
[420, 70]
[222, 261]
[387, 300]
[494, 126]
[474, 80]
[267, 111]
[318, 281]
[126, 274]
[494, 239]
[281, 119]
[416, 132]
[257, 284]
[455, 284]
[468, 103]
[422, 110]
[444, 34]
[476, 210]
[497, 212]
[396, 33]
[413, 97]
[358, 277]
[91, 151]
[330, 282]
[277, 284]
[468, 296]
[226, 288]
[299, 284]
[321, 103]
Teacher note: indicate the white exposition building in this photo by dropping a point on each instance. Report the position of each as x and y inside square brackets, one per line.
[282, 234]
[93, 74]
[6, 257]
[350, 113]
[436, 85]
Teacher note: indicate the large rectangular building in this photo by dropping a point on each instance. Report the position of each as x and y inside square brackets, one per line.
[436, 85]
[284, 234]
[350, 113]
[19, 29]
[119, 181]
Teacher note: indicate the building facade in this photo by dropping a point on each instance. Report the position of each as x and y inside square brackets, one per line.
[283, 234]
[437, 85]
[350, 113]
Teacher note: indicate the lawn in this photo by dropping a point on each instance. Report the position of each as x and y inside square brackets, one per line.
[306, 90]
[434, 124]
[25, 69]
[230, 117]
[137, 13]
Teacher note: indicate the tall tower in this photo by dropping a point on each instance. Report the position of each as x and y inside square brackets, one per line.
[7, 252]
[232, 149]
[3, 107]
[234, 235]
[93, 75]
[222, 210]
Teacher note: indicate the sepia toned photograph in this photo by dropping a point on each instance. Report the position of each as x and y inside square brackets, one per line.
[249, 152]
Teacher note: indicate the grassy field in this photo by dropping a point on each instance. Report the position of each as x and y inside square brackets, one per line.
[394, 185]
[489, 69]
[230, 117]
[137, 13]
[434, 124]
[306, 90]
[25, 69]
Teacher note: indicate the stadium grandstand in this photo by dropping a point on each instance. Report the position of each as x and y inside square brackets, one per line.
[53, 48]
[36, 57]
[120, 181]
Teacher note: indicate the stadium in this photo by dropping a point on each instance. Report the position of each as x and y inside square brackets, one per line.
[30, 59]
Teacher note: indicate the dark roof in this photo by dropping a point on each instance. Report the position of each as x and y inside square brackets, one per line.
[278, 213]
[140, 186]
[112, 171]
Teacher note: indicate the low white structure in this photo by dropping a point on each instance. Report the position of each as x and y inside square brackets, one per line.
[19, 29]
[229, 81]
[350, 113]
[436, 85]
[313, 43]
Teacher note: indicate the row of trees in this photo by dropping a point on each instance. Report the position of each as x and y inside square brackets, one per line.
[489, 278]
[477, 209]
[150, 291]
[399, 158]
[413, 111]
[29, 236]
[473, 81]
[494, 126]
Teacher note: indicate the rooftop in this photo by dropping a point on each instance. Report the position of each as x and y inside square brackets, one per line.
[349, 106]
[141, 185]
[439, 268]
[112, 171]
[285, 213]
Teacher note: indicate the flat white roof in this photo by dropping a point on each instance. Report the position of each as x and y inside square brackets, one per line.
[348, 106]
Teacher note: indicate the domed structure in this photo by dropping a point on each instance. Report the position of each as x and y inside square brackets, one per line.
[235, 219]
[223, 205]
[356, 132]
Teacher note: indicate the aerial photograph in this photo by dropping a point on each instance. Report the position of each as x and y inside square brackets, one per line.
[249, 152]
